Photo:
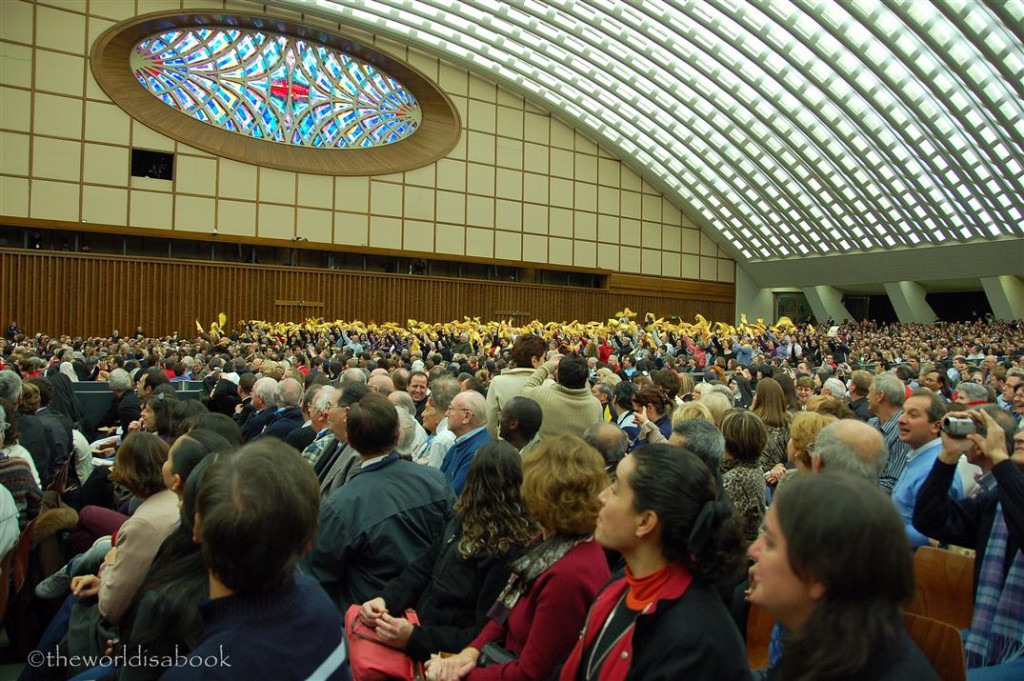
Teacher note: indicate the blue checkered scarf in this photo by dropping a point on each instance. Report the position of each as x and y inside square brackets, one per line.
[997, 628]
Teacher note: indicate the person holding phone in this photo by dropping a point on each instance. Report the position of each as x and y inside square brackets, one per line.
[993, 524]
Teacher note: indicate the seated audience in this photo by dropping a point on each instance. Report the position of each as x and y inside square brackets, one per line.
[992, 523]
[539, 613]
[453, 585]
[391, 502]
[833, 566]
[664, 619]
[267, 620]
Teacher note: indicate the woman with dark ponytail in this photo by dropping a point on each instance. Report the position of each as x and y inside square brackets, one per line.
[680, 539]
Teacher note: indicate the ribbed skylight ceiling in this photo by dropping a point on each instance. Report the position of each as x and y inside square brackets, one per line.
[789, 127]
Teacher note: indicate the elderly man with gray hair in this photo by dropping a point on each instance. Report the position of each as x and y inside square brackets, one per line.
[971, 394]
[704, 439]
[34, 435]
[852, 446]
[885, 401]
[288, 415]
[125, 408]
[264, 402]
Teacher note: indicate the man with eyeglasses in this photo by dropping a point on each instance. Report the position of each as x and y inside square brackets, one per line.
[467, 420]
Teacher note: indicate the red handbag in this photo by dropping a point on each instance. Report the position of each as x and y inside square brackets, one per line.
[372, 659]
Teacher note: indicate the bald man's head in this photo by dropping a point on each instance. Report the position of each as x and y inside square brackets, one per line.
[850, 445]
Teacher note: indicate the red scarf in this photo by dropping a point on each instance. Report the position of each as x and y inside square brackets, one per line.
[644, 590]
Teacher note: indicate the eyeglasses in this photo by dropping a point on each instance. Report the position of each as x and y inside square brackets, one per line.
[450, 409]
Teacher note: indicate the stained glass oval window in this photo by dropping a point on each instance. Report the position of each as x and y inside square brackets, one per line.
[276, 88]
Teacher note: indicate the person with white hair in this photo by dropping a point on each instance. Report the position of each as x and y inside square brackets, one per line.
[264, 402]
[288, 415]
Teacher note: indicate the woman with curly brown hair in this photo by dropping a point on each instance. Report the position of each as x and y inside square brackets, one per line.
[456, 581]
[537, 617]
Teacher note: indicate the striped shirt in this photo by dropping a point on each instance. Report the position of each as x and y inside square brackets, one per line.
[898, 450]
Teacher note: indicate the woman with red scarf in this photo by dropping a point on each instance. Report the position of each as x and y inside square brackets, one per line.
[679, 537]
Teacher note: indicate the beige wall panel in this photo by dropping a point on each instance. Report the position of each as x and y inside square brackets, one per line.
[560, 222]
[146, 138]
[418, 236]
[584, 254]
[480, 179]
[195, 214]
[385, 232]
[508, 215]
[351, 229]
[14, 196]
[277, 186]
[236, 180]
[276, 222]
[689, 266]
[585, 226]
[195, 175]
[451, 239]
[650, 263]
[149, 209]
[670, 263]
[352, 194]
[105, 164]
[61, 73]
[57, 116]
[106, 123]
[535, 248]
[15, 65]
[629, 259]
[451, 175]
[16, 111]
[608, 229]
[105, 205]
[480, 243]
[708, 268]
[508, 245]
[14, 153]
[314, 225]
[236, 217]
[608, 257]
[316, 191]
[561, 192]
[560, 251]
[60, 30]
[16, 21]
[508, 184]
[419, 203]
[535, 218]
[56, 159]
[54, 200]
[480, 211]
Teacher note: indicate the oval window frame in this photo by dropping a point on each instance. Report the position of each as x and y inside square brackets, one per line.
[438, 133]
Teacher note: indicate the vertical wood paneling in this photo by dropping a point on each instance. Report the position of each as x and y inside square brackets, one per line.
[86, 295]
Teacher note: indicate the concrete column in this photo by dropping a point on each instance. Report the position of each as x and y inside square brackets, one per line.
[827, 302]
[751, 299]
[1005, 295]
[908, 300]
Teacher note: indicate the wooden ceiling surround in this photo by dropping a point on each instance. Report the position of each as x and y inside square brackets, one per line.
[437, 134]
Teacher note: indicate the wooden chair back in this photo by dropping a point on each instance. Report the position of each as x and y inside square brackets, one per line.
[945, 586]
[759, 636]
[941, 643]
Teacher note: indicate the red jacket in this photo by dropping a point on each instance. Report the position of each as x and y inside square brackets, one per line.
[541, 627]
[620, 656]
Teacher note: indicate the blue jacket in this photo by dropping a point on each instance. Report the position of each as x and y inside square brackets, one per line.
[456, 462]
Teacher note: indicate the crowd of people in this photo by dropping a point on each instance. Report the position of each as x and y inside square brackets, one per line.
[573, 501]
